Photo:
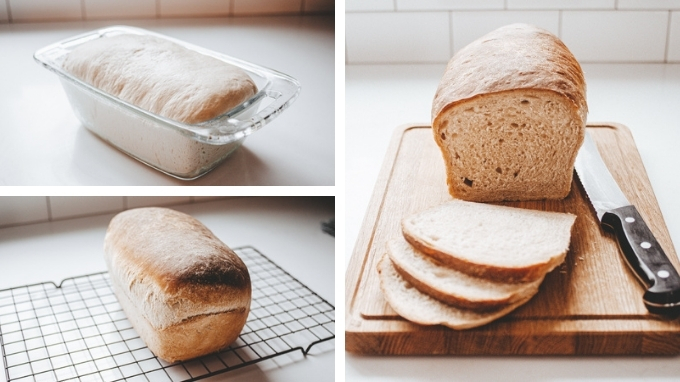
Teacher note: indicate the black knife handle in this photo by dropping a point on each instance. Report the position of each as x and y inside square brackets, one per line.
[646, 257]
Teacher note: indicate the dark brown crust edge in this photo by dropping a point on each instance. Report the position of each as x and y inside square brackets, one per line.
[138, 237]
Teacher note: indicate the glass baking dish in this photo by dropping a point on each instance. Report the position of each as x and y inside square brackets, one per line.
[184, 151]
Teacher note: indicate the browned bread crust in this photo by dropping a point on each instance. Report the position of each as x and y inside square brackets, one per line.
[516, 56]
[509, 116]
[185, 292]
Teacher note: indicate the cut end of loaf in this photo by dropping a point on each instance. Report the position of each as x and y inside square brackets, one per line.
[509, 116]
[508, 146]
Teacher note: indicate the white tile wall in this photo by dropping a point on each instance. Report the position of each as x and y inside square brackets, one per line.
[70, 206]
[630, 36]
[63, 10]
[561, 4]
[648, 4]
[175, 8]
[254, 7]
[22, 209]
[45, 10]
[147, 201]
[411, 31]
[429, 5]
[369, 5]
[469, 26]
[397, 37]
[674, 38]
[107, 9]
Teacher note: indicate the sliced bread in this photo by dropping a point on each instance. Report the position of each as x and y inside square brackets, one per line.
[420, 308]
[496, 242]
[451, 286]
[509, 116]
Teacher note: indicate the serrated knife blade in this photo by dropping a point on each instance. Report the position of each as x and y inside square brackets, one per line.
[638, 245]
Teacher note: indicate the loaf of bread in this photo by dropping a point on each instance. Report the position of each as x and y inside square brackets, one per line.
[160, 76]
[423, 309]
[509, 116]
[184, 291]
[500, 243]
[451, 286]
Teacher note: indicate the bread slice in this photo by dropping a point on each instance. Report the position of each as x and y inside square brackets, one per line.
[496, 242]
[420, 308]
[161, 76]
[509, 116]
[451, 286]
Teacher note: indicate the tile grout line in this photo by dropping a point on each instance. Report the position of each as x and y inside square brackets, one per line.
[49, 208]
[126, 206]
[451, 36]
[668, 37]
[9, 12]
[559, 24]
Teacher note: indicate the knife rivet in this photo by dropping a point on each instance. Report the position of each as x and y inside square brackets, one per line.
[645, 245]
[630, 219]
[663, 274]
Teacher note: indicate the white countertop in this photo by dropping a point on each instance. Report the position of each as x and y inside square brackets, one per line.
[286, 230]
[378, 98]
[43, 143]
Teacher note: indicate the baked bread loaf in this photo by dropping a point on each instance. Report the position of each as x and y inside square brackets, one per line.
[184, 291]
[509, 116]
[454, 287]
[470, 263]
[421, 308]
[161, 76]
[500, 243]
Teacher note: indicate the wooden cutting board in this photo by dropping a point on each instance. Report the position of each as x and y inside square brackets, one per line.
[591, 304]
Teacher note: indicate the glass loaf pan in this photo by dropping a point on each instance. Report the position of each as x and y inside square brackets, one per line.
[175, 148]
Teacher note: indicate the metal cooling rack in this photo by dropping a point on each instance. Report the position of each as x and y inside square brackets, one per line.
[77, 331]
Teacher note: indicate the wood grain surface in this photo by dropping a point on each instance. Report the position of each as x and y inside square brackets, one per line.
[591, 304]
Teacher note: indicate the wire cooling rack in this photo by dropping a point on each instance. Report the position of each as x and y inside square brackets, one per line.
[77, 331]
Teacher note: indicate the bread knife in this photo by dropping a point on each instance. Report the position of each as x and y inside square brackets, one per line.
[642, 252]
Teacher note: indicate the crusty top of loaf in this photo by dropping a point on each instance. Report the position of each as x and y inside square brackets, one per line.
[517, 56]
[173, 267]
[175, 249]
[161, 76]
